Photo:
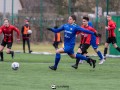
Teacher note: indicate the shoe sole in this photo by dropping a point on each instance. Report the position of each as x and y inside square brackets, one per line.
[102, 62]
[52, 68]
[74, 67]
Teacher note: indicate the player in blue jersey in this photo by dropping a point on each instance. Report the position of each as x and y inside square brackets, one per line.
[70, 30]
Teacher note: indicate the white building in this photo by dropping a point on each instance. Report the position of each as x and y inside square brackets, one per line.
[6, 6]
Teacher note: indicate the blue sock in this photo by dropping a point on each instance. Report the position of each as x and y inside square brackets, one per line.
[100, 55]
[79, 56]
[57, 59]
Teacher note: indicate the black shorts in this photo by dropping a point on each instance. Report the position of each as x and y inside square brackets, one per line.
[111, 40]
[80, 45]
[9, 44]
[84, 48]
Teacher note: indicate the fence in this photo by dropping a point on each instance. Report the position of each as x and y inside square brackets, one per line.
[48, 13]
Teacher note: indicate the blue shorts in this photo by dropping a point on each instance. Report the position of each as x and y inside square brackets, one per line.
[94, 46]
[93, 43]
[69, 50]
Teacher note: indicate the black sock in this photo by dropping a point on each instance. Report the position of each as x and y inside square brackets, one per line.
[87, 56]
[105, 51]
[11, 52]
[118, 49]
[1, 54]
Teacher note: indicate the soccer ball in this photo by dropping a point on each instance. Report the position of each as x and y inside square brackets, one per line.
[53, 86]
[15, 65]
[29, 31]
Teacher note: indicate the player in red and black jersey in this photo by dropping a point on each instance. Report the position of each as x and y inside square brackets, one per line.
[7, 31]
[111, 35]
[87, 40]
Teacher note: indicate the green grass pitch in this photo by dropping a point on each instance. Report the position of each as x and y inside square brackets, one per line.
[34, 74]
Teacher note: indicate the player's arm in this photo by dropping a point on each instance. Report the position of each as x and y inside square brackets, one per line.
[17, 31]
[22, 30]
[78, 28]
[56, 30]
[113, 26]
[93, 30]
[0, 30]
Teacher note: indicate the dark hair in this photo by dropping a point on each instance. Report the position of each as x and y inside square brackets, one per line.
[86, 18]
[73, 17]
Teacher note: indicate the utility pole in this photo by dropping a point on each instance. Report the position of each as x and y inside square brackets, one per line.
[12, 11]
[69, 7]
[96, 14]
[41, 20]
[4, 9]
[107, 10]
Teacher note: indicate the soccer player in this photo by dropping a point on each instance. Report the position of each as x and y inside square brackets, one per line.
[26, 36]
[57, 39]
[81, 40]
[7, 31]
[88, 40]
[111, 35]
[70, 30]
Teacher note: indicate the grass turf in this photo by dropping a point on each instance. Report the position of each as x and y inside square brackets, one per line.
[34, 74]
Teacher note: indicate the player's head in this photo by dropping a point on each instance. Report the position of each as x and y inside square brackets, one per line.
[6, 22]
[109, 17]
[85, 20]
[71, 19]
[26, 21]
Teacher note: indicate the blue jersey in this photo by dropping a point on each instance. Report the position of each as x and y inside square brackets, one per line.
[93, 38]
[70, 31]
[90, 24]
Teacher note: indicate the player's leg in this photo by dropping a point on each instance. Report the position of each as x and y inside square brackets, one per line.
[3, 44]
[57, 43]
[24, 45]
[106, 47]
[79, 51]
[28, 43]
[114, 44]
[116, 47]
[57, 59]
[8, 51]
[82, 50]
[54, 44]
[79, 56]
[1, 52]
[95, 47]
[100, 55]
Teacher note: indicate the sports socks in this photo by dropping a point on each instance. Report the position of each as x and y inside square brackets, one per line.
[1, 54]
[12, 53]
[118, 49]
[105, 51]
[57, 59]
[100, 55]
